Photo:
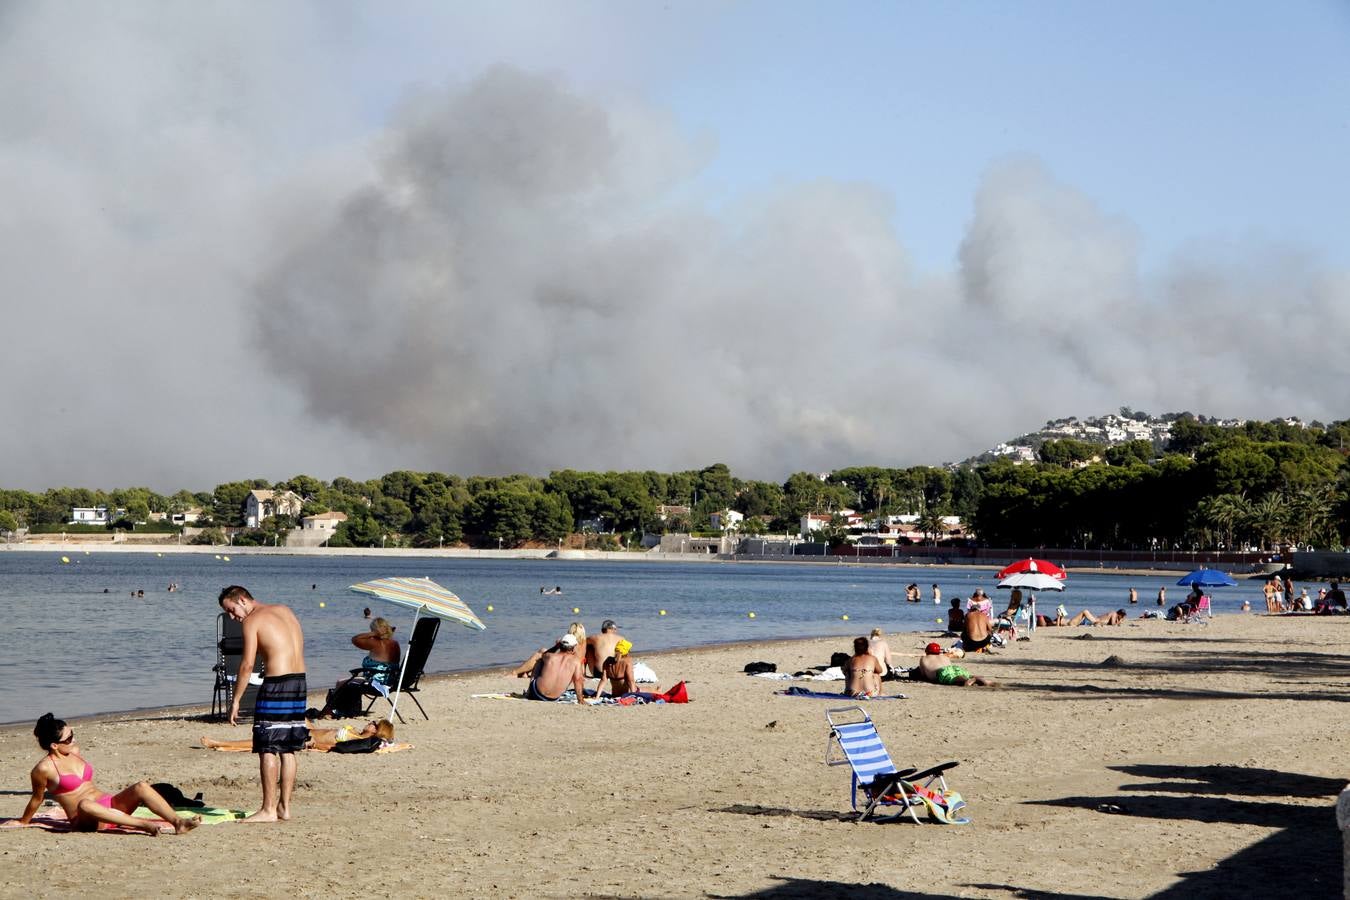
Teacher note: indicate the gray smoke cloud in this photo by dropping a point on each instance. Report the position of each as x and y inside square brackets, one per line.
[520, 287]
[212, 270]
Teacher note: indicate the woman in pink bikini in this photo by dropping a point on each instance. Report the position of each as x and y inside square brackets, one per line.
[65, 775]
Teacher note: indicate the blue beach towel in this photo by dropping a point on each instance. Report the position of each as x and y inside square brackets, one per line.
[796, 691]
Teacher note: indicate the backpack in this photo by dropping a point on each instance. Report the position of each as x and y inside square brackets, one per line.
[755, 668]
[358, 745]
[346, 701]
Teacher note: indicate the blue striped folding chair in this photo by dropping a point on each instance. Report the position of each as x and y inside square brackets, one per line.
[875, 777]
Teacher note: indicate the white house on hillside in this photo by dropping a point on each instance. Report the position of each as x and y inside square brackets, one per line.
[264, 504]
[727, 520]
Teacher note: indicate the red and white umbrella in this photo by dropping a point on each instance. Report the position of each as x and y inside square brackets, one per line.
[1033, 566]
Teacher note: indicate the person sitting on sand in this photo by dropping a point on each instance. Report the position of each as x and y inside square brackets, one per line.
[956, 617]
[64, 774]
[576, 629]
[618, 670]
[877, 646]
[937, 667]
[862, 675]
[976, 631]
[556, 671]
[321, 739]
[600, 647]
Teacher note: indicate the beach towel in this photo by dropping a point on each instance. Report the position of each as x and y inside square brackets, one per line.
[796, 691]
[53, 818]
[387, 748]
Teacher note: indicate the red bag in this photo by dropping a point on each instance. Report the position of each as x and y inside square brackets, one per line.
[678, 694]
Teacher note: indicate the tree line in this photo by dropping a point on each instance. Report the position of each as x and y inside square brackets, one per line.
[1210, 487]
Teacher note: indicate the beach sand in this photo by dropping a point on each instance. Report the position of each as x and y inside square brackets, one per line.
[1203, 761]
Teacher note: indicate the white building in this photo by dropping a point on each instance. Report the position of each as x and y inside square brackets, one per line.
[89, 515]
[261, 505]
[323, 522]
[727, 520]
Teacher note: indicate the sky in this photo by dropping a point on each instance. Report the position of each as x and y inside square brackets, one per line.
[248, 240]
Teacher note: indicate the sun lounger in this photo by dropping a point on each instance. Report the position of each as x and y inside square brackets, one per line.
[879, 782]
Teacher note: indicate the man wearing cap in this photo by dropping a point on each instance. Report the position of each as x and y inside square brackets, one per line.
[938, 668]
[556, 671]
[600, 647]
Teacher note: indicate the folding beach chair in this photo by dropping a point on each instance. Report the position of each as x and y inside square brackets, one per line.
[229, 654]
[876, 778]
[418, 650]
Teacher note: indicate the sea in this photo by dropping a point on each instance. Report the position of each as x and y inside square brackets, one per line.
[81, 641]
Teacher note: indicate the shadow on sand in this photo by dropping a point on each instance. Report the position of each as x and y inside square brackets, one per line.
[1301, 859]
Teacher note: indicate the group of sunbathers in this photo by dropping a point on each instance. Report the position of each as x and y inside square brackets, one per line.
[872, 662]
[559, 672]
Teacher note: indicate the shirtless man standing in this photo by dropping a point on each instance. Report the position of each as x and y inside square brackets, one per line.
[279, 729]
[862, 678]
[557, 670]
[938, 668]
[600, 647]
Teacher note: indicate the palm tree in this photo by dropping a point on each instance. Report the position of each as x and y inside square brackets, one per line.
[931, 524]
[1227, 512]
[1269, 518]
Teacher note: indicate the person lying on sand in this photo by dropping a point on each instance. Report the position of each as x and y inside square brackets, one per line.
[556, 671]
[321, 739]
[862, 675]
[64, 774]
[1083, 618]
[937, 667]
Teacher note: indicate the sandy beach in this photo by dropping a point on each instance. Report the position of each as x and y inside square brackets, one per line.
[1151, 760]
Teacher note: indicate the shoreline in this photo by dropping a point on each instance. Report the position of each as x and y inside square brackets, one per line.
[553, 555]
[185, 711]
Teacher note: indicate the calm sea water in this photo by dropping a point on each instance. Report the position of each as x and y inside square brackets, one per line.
[75, 650]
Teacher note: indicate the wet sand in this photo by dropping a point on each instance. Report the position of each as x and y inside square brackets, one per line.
[1151, 760]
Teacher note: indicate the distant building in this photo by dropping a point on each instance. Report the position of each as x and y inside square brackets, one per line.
[187, 516]
[323, 522]
[665, 512]
[260, 505]
[89, 515]
[814, 522]
[727, 520]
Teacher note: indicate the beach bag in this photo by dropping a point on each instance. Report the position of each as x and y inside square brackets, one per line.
[347, 701]
[678, 694]
[176, 798]
[756, 668]
[839, 660]
[358, 745]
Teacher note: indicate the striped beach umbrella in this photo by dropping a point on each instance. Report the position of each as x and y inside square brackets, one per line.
[424, 596]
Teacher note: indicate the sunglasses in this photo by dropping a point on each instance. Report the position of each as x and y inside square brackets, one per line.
[69, 740]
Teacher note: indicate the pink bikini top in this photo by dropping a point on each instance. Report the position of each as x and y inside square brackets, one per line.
[67, 783]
